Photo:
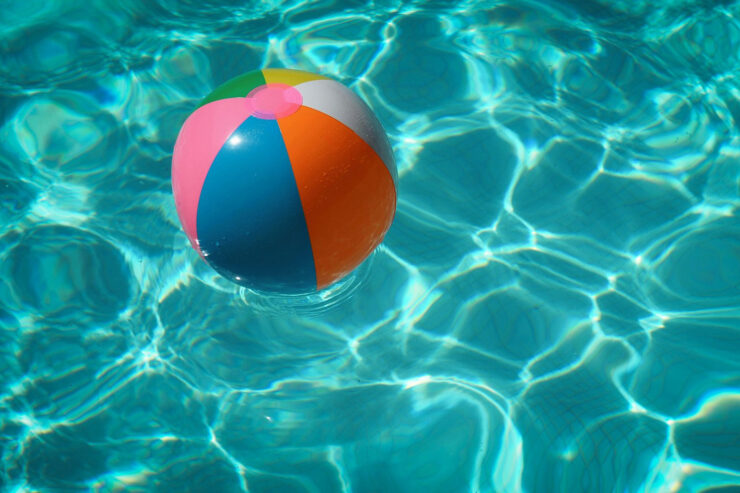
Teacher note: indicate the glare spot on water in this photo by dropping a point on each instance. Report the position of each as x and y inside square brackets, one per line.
[417, 381]
[569, 454]
[61, 202]
[637, 408]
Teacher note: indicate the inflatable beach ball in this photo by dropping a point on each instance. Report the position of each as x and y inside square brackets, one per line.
[283, 180]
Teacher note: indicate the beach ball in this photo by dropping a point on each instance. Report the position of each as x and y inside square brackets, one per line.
[283, 180]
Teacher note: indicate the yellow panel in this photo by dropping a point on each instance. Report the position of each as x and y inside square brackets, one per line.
[287, 76]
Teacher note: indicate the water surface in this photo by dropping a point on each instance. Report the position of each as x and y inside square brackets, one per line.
[555, 308]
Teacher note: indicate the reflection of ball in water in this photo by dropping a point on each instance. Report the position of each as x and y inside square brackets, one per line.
[283, 180]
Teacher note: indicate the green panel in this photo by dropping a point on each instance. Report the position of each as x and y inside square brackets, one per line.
[238, 87]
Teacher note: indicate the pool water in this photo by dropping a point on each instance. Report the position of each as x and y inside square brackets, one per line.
[556, 307]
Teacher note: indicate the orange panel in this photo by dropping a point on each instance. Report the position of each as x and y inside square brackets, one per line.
[347, 192]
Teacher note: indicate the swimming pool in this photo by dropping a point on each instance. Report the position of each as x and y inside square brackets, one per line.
[556, 306]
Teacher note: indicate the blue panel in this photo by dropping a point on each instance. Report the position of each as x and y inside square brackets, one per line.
[251, 225]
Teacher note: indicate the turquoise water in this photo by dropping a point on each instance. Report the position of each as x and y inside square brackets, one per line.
[556, 307]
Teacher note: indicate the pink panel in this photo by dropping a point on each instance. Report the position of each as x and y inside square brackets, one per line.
[201, 137]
